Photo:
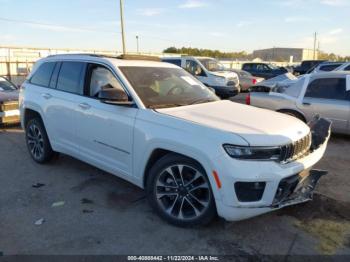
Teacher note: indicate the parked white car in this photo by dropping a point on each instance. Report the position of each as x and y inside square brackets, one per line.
[210, 72]
[331, 66]
[158, 127]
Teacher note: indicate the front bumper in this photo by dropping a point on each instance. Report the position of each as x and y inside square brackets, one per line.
[285, 184]
[226, 91]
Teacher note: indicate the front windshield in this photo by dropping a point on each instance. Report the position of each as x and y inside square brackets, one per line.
[161, 87]
[6, 85]
[211, 65]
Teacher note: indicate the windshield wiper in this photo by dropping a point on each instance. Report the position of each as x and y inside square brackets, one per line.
[164, 106]
[201, 101]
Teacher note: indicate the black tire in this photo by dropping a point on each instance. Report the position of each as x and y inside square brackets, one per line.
[36, 135]
[294, 114]
[191, 210]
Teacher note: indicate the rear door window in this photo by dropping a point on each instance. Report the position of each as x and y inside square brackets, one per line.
[327, 88]
[347, 68]
[43, 74]
[71, 77]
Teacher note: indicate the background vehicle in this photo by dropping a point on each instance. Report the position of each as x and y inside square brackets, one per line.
[326, 94]
[306, 65]
[246, 80]
[263, 70]
[210, 72]
[330, 66]
[9, 112]
[158, 127]
[278, 81]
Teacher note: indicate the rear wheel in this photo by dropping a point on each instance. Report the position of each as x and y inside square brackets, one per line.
[37, 141]
[179, 191]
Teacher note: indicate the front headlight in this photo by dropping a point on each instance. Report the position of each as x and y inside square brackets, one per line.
[253, 153]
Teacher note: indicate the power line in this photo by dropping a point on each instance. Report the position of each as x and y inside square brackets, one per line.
[80, 29]
[47, 25]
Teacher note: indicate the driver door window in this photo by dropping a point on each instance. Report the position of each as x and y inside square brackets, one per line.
[101, 78]
[193, 68]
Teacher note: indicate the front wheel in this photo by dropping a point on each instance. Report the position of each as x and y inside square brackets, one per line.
[37, 141]
[179, 191]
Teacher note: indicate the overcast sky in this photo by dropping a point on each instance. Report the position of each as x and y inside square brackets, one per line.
[228, 25]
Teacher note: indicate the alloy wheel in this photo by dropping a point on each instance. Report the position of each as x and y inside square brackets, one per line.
[183, 192]
[35, 141]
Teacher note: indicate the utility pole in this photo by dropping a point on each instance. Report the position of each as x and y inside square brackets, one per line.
[315, 40]
[137, 44]
[122, 24]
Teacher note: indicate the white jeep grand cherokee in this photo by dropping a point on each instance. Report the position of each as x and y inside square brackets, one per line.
[158, 127]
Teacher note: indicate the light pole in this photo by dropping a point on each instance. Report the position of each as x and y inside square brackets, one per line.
[137, 44]
[315, 40]
[122, 24]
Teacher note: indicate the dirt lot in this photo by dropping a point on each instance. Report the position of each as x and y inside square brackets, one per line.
[105, 215]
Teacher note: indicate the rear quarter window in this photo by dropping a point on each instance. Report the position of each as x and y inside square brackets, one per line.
[43, 74]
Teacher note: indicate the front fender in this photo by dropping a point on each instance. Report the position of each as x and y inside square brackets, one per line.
[182, 149]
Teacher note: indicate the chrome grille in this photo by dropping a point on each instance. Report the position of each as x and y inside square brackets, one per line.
[296, 150]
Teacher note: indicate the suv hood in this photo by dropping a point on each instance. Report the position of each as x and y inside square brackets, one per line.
[259, 127]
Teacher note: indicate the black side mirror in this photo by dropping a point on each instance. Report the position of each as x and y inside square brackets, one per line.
[115, 96]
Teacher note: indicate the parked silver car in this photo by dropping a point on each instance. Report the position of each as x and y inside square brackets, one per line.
[246, 79]
[326, 95]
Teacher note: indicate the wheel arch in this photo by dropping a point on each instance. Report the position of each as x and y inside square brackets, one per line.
[29, 114]
[159, 152]
[293, 110]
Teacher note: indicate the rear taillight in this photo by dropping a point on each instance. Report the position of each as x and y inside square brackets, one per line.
[247, 99]
[254, 81]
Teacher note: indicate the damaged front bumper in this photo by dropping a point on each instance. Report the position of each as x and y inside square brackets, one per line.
[284, 184]
[297, 189]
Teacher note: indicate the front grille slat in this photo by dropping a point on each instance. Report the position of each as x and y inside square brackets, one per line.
[296, 150]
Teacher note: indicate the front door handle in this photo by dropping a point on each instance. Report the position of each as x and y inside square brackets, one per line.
[306, 104]
[84, 106]
[46, 96]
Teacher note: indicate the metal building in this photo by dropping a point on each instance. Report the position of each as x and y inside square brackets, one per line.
[285, 54]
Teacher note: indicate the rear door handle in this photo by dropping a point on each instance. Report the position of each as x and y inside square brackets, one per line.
[46, 96]
[306, 104]
[84, 106]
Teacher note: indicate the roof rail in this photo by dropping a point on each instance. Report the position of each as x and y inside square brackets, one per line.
[125, 57]
[139, 57]
[71, 54]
